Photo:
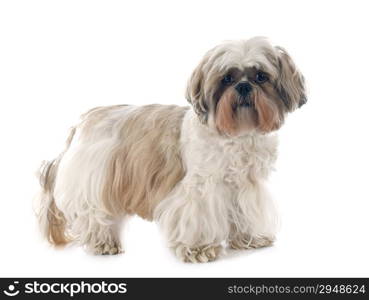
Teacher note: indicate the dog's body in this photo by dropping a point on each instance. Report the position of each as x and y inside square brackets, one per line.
[199, 172]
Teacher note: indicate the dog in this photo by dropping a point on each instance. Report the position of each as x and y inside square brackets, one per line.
[198, 171]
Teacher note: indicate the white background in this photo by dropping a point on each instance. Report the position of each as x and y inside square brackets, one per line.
[60, 58]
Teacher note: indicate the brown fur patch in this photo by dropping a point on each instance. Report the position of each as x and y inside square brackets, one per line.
[146, 164]
[225, 118]
[269, 114]
[230, 118]
[57, 226]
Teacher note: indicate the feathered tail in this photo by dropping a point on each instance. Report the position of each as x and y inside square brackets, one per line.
[51, 219]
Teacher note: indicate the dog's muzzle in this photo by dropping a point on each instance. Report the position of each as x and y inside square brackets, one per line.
[244, 89]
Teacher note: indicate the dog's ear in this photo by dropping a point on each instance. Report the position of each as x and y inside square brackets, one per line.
[195, 93]
[291, 83]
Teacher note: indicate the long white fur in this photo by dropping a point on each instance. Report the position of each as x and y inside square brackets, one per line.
[80, 180]
[222, 197]
[224, 185]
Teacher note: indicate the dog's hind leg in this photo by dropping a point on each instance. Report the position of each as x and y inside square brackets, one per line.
[100, 236]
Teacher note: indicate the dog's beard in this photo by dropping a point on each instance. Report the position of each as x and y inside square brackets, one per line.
[236, 115]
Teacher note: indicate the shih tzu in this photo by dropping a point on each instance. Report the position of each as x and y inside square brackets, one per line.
[198, 171]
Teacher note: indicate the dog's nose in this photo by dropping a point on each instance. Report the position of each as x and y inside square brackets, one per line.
[243, 88]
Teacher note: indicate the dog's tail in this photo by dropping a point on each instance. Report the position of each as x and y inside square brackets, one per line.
[51, 220]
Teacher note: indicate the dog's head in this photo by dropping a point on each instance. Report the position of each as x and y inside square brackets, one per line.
[241, 86]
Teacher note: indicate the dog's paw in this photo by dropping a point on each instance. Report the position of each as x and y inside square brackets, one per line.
[201, 254]
[107, 249]
[247, 242]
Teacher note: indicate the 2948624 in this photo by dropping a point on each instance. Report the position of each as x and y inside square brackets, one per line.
[341, 289]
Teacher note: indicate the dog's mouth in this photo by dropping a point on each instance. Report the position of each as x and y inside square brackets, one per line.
[244, 101]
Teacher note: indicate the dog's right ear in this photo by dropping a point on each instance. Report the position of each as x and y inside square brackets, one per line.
[195, 93]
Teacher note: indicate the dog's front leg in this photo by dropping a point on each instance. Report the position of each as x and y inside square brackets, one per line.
[194, 220]
[245, 241]
[254, 220]
[195, 254]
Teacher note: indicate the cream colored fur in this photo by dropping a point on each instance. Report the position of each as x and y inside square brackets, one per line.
[200, 172]
[223, 196]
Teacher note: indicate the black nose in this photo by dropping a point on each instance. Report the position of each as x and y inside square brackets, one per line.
[243, 88]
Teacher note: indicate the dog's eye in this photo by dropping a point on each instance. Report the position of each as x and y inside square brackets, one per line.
[228, 79]
[261, 77]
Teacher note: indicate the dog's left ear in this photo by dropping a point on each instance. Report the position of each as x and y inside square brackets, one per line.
[291, 83]
[195, 93]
